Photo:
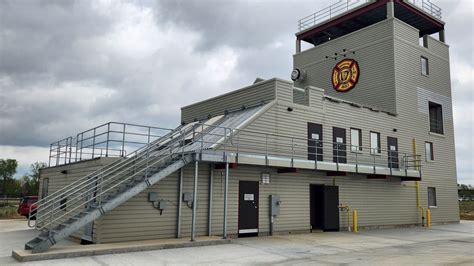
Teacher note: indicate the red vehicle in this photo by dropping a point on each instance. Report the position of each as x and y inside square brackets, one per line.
[25, 203]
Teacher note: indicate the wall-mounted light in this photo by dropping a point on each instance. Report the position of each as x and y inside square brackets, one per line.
[289, 109]
[64, 172]
[265, 178]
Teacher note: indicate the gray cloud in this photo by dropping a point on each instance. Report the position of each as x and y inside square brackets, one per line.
[66, 66]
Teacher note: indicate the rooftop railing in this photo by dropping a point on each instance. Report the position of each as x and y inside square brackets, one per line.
[111, 139]
[342, 6]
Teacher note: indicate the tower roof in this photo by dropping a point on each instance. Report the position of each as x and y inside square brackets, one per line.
[344, 17]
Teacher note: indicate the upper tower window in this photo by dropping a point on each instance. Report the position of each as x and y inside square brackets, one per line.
[424, 66]
[436, 117]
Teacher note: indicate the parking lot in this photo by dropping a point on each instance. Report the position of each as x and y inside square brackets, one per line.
[443, 244]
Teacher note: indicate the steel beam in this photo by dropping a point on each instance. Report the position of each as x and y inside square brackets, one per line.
[193, 225]
[180, 202]
[211, 186]
[226, 190]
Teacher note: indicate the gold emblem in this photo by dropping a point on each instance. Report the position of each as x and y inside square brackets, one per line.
[345, 75]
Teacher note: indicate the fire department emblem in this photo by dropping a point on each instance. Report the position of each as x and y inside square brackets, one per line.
[345, 75]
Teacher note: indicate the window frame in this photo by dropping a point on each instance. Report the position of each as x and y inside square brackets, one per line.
[431, 157]
[379, 143]
[356, 148]
[433, 189]
[439, 120]
[427, 68]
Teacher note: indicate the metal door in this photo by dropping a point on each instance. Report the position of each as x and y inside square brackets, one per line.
[248, 208]
[392, 152]
[339, 145]
[331, 209]
[315, 141]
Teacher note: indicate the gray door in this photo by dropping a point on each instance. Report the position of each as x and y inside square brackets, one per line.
[392, 152]
[315, 141]
[339, 145]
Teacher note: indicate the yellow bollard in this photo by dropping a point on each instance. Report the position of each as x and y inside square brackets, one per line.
[354, 220]
[428, 218]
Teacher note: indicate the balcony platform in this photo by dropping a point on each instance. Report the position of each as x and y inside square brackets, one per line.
[328, 166]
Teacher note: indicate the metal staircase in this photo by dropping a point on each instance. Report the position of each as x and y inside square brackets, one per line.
[74, 206]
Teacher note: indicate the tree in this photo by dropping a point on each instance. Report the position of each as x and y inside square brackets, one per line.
[7, 171]
[32, 180]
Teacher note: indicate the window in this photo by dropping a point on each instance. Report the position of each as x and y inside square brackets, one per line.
[432, 197]
[44, 189]
[424, 66]
[429, 154]
[375, 143]
[356, 140]
[436, 117]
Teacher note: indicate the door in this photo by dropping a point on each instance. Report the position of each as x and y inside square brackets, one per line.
[315, 141]
[392, 152]
[331, 208]
[248, 208]
[317, 207]
[339, 145]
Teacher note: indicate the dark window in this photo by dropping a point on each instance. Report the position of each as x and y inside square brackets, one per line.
[375, 143]
[62, 203]
[425, 66]
[429, 151]
[356, 140]
[436, 117]
[432, 197]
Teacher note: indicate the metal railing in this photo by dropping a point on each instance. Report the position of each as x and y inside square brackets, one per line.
[428, 7]
[111, 139]
[329, 12]
[96, 188]
[342, 6]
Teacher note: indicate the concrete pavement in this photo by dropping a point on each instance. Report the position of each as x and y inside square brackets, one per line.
[443, 244]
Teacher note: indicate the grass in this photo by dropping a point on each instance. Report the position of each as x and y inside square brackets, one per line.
[466, 209]
[9, 212]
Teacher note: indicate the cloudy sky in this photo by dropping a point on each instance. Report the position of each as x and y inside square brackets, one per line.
[66, 66]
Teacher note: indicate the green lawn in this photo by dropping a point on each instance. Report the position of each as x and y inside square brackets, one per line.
[466, 209]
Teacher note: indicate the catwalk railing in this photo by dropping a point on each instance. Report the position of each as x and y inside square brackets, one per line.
[197, 138]
[343, 6]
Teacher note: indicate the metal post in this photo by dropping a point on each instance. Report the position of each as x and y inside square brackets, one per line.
[193, 224]
[180, 202]
[82, 143]
[292, 152]
[266, 149]
[123, 141]
[50, 150]
[226, 190]
[93, 144]
[211, 186]
[107, 142]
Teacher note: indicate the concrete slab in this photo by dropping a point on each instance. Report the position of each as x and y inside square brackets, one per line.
[442, 244]
[115, 248]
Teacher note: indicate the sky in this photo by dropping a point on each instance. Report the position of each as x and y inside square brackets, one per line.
[67, 66]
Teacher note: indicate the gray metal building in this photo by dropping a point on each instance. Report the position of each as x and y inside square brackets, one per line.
[366, 123]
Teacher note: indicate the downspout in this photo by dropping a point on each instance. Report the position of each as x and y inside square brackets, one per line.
[417, 185]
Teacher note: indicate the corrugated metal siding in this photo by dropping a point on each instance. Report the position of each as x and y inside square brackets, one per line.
[373, 48]
[250, 96]
[436, 87]
[57, 180]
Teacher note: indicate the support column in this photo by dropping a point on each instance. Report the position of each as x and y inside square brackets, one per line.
[180, 201]
[211, 186]
[193, 225]
[425, 41]
[298, 46]
[390, 10]
[441, 36]
[226, 190]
